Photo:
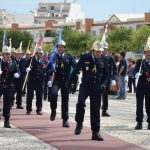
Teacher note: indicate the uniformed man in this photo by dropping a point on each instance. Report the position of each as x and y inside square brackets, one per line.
[35, 81]
[143, 87]
[19, 81]
[112, 73]
[94, 82]
[9, 71]
[64, 62]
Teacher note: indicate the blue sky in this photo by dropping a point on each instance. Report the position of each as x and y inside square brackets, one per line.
[97, 9]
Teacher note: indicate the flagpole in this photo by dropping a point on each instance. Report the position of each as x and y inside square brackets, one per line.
[26, 77]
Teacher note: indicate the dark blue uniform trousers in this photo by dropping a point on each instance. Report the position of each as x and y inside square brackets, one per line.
[142, 93]
[95, 103]
[64, 97]
[36, 86]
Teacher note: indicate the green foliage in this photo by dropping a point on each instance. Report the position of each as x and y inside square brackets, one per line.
[120, 38]
[47, 47]
[139, 38]
[77, 42]
[16, 37]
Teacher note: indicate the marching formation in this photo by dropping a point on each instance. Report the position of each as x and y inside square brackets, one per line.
[45, 75]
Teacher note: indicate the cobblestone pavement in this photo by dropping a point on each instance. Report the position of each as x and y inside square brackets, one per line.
[121, 124]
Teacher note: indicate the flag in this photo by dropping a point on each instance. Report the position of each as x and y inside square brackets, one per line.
[52, 57]
[103, 42]
[40, 42]
[4, 39]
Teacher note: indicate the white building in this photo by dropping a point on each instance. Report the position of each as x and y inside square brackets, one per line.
[59, 13]
[24, 18]
[133, 21]
[7, 18]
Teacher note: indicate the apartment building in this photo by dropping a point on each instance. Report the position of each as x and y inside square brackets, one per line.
[58, 13]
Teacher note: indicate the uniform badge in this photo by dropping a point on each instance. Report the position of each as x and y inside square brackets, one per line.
[62, 64]
[94, 69]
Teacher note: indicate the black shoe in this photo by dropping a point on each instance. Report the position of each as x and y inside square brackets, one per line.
[65, 124]
[19, 107]
[53, 115]
[105, 114]
[138, 126]
[39, 113]
[97, 137]
[148, 127]
[28, 113]
[78, 129]
[118, 97]
[7, 124]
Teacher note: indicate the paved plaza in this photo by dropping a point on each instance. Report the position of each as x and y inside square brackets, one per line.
[121, 125]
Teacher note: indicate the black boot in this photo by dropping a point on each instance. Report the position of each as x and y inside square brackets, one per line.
[138, 126]
[78, 129]
[6, 123]
[148, 127]
[105, 114]
[97, 137]
[53, 115]
[65, 124]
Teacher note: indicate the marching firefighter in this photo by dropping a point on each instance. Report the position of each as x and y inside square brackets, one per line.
[94, 82]
[64, 62]
[9, 71]
[142, 73]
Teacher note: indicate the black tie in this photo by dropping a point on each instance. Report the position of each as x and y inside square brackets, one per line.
[96, 60]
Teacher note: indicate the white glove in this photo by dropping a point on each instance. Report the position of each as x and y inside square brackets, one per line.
[1, 72]
[16, 75]
[49, 83]
[113, 82]
[138, 75]
[28, 69]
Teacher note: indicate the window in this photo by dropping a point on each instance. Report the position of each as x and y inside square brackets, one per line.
[52, 14]
[94, 33]
[43, 8]
[52, 7]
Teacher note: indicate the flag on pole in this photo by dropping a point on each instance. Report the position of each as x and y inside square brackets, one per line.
[103, 42]
[40, 42]
[52, 57]
[4, 39]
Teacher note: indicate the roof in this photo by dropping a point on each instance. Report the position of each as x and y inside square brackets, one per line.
[126, 17]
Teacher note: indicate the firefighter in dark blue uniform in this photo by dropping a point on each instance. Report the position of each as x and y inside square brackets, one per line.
[64, 62]
[143, 87]
[112, 74]
[35, 82]
[9, 71]
[19, 81]
[94, 81]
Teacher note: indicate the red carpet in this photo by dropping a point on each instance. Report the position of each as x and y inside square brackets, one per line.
[64, 138]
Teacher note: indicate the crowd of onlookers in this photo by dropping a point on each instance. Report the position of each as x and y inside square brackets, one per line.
[129, 84]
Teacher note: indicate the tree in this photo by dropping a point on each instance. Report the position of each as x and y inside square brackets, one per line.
[119, 38]
[77, 41]
[16, 37]
[139, 38]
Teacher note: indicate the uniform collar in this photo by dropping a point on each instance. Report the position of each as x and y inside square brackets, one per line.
[61, 55]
